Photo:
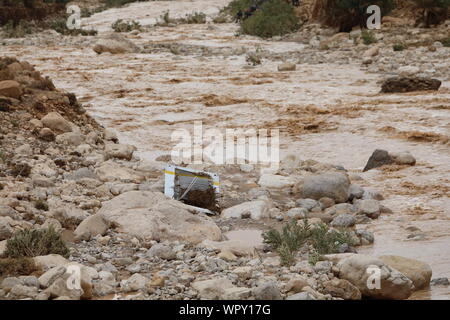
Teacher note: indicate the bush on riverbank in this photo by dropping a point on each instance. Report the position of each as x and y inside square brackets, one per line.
[273, 18]
[294, 237]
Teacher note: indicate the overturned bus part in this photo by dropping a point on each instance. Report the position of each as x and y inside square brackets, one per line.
[193, 187]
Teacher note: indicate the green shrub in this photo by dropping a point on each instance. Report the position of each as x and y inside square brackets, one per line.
[41, 205]
[194, 18]
[288, 241]
[293, 237]
[346, 14]
[368, 37]
[16, 267]
[274, 18]
[36, 242]
[235, 6]
[60, 26]
[125, 26]
[399, 47]
[326, 240]
[446, 42]
[222, 17]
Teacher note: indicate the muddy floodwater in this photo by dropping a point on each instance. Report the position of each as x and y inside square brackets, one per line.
[145, 97]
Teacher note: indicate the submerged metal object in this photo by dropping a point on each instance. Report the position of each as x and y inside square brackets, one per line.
[193, 187]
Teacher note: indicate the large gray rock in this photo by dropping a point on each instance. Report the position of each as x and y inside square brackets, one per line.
[146, 214]
[162, 251]
[343, 220]
[358, 268]
[301, 296]
[333, 185]
[257, 209]
[267, 291]
[417, 271]
[91, 227]
[119, 151]
[56, 122]
[213, 288]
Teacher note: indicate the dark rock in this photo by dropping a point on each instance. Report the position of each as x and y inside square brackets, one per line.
[409, 84]
[378, 159]
[440, 282]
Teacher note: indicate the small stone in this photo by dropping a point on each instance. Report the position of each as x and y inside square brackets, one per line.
[286, 67]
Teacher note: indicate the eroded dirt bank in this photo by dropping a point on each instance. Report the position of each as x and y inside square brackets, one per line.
[329, 111]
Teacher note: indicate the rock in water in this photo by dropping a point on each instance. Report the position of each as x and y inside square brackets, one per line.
[377, 159]
[115, 43]
[409, 84]
[333, 185]
[146, 214]
[286, 67]
[417, 271]
[392, 284]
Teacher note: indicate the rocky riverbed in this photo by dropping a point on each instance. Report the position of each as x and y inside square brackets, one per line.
[103, 187]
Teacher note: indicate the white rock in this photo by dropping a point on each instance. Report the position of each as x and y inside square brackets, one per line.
[257, 209]
[273, 181]
[150, 214]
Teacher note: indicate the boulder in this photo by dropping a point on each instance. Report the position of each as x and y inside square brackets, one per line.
[296, 284]
[238, 248]
[341, 288]
[56, 123]
[286, 67]
[115, 44]
[10, 88]
[371, 52]
[343, 220]
[301, 296]
[409, 84]
[417, 271]
[161, 251]
[110, 171]
[90, 227]
[46, 279]
[212, 289]
[146, 214]
[403, 158]
[47, 262]
[70, 138]
[358, 268]
[368, 207]
[135, 282]
[333, 185]
[119, 151]
[267, 291]
[60, 288]
[257, 209]
[377, 159]
[273, 181]
[237, 293]
[406, 71]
